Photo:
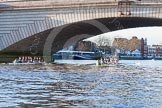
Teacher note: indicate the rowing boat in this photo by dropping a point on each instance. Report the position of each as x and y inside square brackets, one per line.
[37, 63]
[107, 64]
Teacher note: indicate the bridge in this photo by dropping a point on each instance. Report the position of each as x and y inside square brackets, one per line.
[42, 27]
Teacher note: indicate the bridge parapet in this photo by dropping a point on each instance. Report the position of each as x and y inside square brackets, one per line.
[32, 4]
[42, 4]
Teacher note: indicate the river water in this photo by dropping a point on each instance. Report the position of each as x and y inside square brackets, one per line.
[132, 84]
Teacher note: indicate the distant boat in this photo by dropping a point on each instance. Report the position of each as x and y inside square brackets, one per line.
[131, 58]
[74, 55]
[107, 65]
[84, 56]
[81, 57]
[38, 63]
[110, 62]
[20, 62]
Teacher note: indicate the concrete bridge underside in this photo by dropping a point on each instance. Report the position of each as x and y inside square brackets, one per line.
[60, 37]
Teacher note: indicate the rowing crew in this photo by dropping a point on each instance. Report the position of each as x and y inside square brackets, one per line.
[107, 60]
[28, 59]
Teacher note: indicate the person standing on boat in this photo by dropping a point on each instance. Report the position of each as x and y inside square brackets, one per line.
[102, 60]
[20, 60]
[108, 59]
[23, 59]
[98, 62]
[116, 58]
[105, 60]
[111, 59]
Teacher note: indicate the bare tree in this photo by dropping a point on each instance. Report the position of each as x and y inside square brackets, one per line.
[103, 41]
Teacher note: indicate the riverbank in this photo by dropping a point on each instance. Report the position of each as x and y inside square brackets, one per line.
[138, 58]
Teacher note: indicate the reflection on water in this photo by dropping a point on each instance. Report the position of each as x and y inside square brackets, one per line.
[133, 84]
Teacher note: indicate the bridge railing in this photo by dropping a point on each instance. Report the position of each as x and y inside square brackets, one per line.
[37, 4]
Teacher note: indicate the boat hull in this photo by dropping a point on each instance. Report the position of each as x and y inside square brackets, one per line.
[26, 63]
[77, 57]
[107, 65]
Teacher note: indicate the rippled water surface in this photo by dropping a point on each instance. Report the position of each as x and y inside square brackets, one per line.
[132, 84]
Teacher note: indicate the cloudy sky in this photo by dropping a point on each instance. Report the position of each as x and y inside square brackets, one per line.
[153, 34]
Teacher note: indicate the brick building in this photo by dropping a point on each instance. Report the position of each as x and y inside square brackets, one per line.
[85, 46]
[144, 47]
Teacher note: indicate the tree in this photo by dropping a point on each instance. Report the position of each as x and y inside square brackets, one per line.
[103, 41]
[104, 44]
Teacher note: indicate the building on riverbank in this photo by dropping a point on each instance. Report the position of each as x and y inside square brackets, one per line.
[137, 49]
[144, 48]
[155, 51]
[85, 46]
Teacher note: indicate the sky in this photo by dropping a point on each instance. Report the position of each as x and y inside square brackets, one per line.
[153, 34]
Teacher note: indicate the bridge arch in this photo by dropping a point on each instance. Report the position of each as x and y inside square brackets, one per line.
[25, 19]
[52, 40]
